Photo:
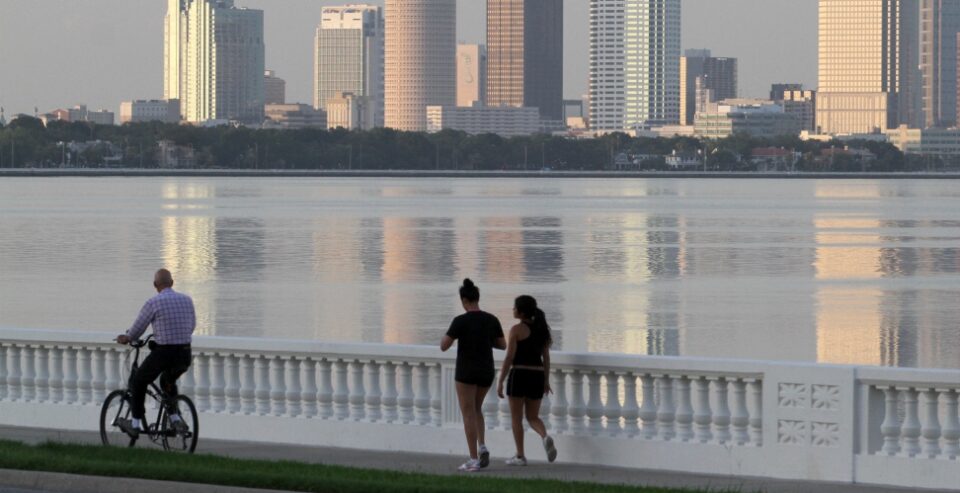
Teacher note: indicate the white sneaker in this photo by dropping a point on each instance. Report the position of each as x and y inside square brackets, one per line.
[484, 457]
[550, 448]
[472, 465]
[516, 461]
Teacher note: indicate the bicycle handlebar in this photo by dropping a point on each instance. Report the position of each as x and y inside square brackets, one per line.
[139, 343]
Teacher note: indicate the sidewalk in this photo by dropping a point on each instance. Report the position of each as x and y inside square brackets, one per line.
[430, 464]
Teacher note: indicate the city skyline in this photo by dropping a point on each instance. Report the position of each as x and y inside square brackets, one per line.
[25, 84]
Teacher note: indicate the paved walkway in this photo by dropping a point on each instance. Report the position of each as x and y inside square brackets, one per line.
[433, 464]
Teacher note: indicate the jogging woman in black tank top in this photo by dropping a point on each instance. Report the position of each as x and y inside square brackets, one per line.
[528, 365]
[478, 333]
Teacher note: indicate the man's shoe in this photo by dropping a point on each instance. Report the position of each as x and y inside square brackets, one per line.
[484, 457]
[179, 427]
[516, 461]
[472, 465]
[126, 426]
[550, 448]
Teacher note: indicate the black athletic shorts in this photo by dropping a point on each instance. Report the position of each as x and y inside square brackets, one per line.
[479, 378]
[527, 384]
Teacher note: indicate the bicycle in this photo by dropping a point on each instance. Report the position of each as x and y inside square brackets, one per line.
[117, 406]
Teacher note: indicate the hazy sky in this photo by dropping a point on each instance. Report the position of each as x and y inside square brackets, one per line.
[57, 53]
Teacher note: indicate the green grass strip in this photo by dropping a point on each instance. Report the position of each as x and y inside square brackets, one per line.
[283, 475]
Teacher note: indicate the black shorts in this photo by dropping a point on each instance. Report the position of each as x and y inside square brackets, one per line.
[480, 379]
[526, 384]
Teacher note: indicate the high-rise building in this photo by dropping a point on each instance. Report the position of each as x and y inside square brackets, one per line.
[910, 99]
[150, 111]
[274, 88]
[349, 57]
[214, 60]
[471, 74]
[939, 25]
[859, 65]
[717, 75]
[525, 55]
[777, 90]
[421, 61]
[634, 64]
[803, 104]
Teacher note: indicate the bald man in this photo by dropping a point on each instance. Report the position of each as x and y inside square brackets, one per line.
[173, 319]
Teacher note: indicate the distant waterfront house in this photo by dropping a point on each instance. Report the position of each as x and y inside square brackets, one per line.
[774, 158]
[684, 160]
[171, 155]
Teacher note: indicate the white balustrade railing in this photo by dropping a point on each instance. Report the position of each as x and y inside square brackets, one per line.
[803, 421]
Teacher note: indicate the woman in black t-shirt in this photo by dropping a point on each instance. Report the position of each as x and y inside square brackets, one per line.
[478, 332]
[528, 365]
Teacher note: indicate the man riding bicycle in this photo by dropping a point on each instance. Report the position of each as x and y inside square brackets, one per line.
[174, 319]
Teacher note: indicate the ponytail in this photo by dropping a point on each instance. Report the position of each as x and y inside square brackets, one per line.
[534, 317]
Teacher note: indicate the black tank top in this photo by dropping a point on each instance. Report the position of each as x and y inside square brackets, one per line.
[529, 351]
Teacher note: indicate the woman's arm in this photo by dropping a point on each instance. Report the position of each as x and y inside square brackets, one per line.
[446, 343]
[508, 359]
[546, 370]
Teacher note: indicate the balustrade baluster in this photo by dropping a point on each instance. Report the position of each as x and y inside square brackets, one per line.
[910, 431]
[248, 384]
[294, 407]
[55, 370]
[684, 408]
[703, 415]
[201, 389]
[278, 391]
[578, 408]
[721, 414]
[631, 408]
[491, 409]
[187, 382]
[612, 408]
[739, 418]
[558, 409]
[341, 390]
[666, 410]
[951, 425]
[756, 414]
[931, 424]
[308, 392]
[594, 404]
[436, 406]
[218, 392]
[41, 379]
[405, 399]
[231, 374]
[13, 373]
[3, 372]
[357, 394]
[27, 387]
[69, 375]
[890, 428]
[374, 395]
[325, 394]
[422, 399]
[98, 359]
[84, 377]
[262, 385]
[390, 414]
[648, 407]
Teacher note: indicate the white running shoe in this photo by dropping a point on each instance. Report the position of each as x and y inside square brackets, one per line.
[550, 448]
[516, 461]
[484, 457]
[472, 465]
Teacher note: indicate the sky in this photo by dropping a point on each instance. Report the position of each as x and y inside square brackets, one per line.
[58, 53]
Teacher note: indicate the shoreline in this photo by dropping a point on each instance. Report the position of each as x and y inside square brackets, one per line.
[248, 173]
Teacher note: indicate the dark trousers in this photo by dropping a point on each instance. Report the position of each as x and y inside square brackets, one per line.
[166, 362]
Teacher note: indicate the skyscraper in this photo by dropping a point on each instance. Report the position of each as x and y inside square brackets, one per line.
[274, 88]
[716, 75]
[214, 60]
[859, 65]
[939, 25]
[348, 58]
[420, 63]
[634, 64]
[471, 74]
[525, 55]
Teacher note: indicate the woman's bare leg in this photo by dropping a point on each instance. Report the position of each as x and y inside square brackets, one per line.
[516, 417]
[532, 408]
[478, 409]
[467, 395]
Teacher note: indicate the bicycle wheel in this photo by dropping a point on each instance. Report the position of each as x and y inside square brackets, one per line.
[115, 407]
[183, 439]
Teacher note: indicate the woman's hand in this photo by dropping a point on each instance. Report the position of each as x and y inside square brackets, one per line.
[500, 390]
[546, 386]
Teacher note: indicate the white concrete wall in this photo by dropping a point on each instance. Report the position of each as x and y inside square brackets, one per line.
[795, 421]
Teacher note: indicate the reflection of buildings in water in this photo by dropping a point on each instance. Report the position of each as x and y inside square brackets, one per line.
[848, 325]
[372, 248]
[543, 249]
[240, 266]
[501, 249]
[848, 190]
[847, 248]
[190, 253]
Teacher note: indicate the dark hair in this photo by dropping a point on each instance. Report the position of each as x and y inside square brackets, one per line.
[534, 318]
[469, 291]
